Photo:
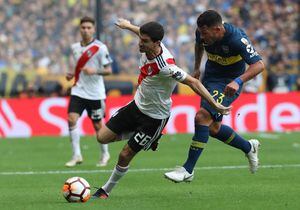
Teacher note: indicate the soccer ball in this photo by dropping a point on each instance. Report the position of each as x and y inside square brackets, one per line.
[76, 189]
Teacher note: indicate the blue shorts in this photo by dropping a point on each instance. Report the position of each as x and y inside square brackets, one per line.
[216, 89]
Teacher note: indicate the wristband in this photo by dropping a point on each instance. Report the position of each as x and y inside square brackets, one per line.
[239, 81]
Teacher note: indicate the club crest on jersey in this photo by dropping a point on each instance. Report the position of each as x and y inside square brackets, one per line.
[89, 53]
[225, 48]
[149, 70]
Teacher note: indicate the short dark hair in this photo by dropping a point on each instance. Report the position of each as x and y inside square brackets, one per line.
[87, 19]
[154, 30]
[209, 18]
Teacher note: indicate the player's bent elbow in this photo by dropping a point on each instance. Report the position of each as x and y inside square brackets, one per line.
[107, 70]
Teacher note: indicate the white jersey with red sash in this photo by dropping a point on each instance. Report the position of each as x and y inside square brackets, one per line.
[94, 55]
[157, 80]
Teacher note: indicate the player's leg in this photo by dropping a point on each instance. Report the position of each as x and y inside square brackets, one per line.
[227, 135]
[75, 110]
[203, 119]
[147, 132]
[125, 157]
[105, 135]
[142, 139]
[200, 138]
[104, 153]
[186, 173]
[96, 112]
[122, 122]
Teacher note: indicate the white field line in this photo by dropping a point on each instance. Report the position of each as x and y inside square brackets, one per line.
[269, 136]
[140, 170]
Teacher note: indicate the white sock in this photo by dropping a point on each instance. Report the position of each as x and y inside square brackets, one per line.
[114, 178]
[104, 149]
[75, 141]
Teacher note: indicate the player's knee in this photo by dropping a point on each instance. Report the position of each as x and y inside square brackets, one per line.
[97, 125]
[202, 117]
[214, 130]
[72, 121]
[100, 137]
[105, 135]
[125, 154]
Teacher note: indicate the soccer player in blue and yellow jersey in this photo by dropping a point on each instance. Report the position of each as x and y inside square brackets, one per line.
[228, 50]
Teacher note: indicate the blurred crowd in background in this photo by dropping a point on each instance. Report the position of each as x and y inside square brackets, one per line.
[35, 36]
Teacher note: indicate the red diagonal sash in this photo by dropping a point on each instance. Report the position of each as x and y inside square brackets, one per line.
[84, 58]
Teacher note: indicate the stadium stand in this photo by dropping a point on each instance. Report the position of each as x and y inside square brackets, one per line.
[35, 37]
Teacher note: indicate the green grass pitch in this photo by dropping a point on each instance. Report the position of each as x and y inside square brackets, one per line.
[32, 173]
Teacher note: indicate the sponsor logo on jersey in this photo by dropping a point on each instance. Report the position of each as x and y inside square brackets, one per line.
[250, 48]
[177, 75]
[224, 60]
[253, 54]
[245, 41]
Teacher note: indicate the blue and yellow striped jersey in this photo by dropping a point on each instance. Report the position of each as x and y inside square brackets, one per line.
[227, 57]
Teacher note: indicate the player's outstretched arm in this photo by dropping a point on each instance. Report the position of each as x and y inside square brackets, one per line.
[198, 88]
[125, 24]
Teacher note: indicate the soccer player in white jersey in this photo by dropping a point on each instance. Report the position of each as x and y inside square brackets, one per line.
[88, 92]
[146, 116]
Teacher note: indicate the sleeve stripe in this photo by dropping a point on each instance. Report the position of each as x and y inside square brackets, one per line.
[160, 61]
